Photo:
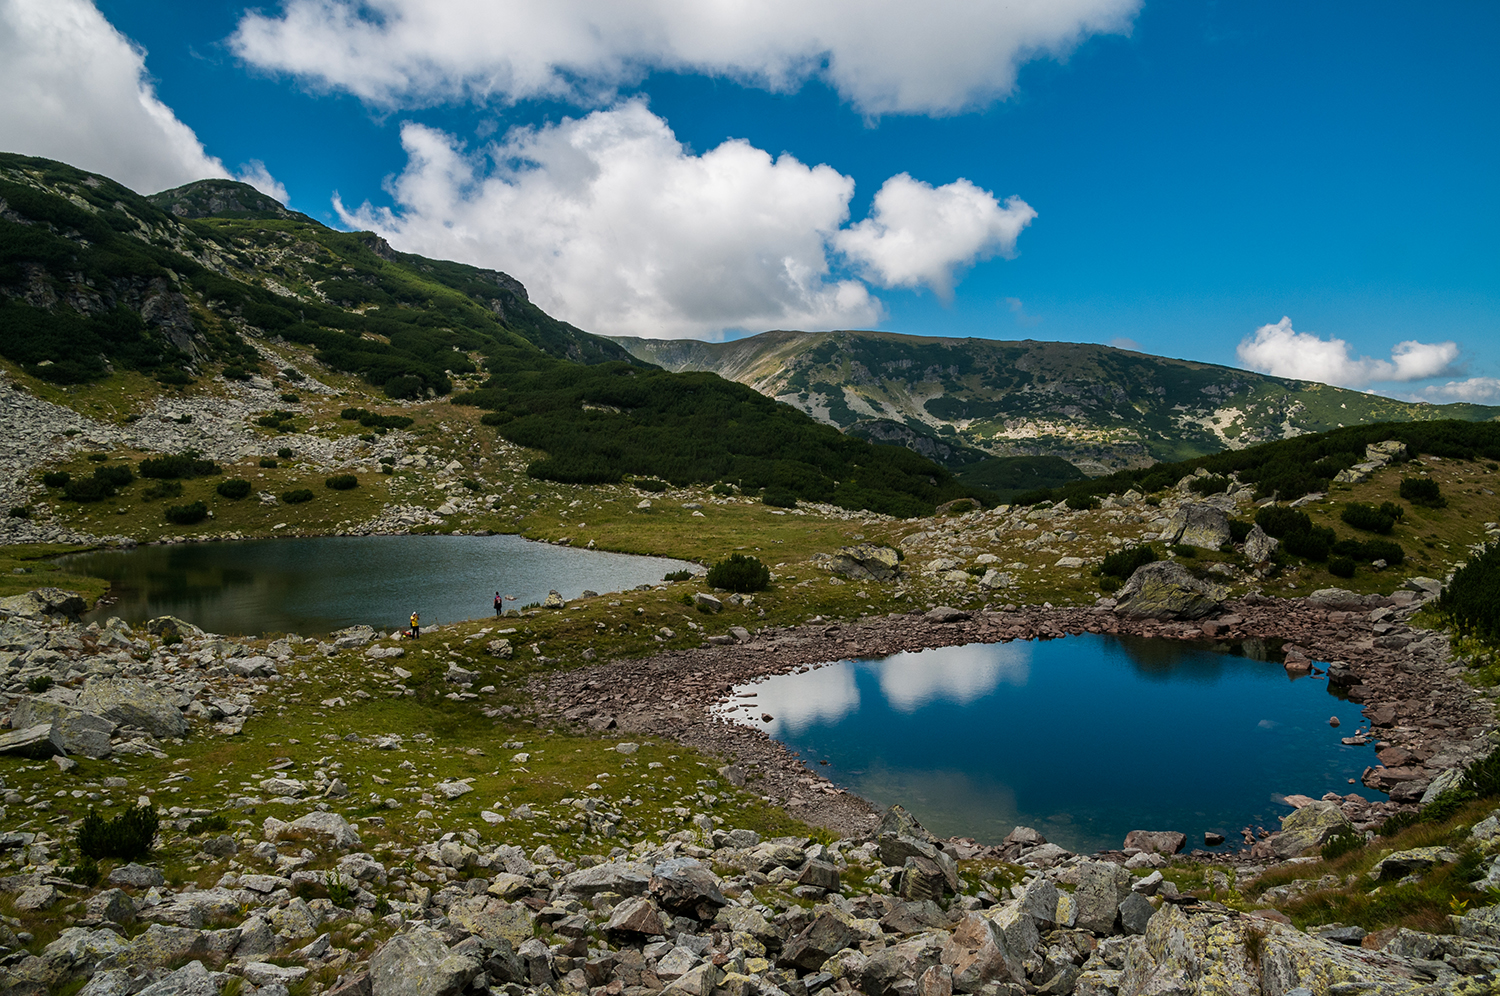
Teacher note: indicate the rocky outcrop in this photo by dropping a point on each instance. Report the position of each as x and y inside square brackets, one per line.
[43, 602]
[1200, 525]
[1308, 827]
[867, 562]
[132, 702]
[1167, 590]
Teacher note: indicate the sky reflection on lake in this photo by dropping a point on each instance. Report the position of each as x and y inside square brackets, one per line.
[1083, 738]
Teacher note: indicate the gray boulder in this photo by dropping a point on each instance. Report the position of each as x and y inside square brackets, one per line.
[130, 702]
[866, 562]
[418, 963]
[1260, 546]
[78, 732]
[1102, 887]
[554, 601]
[352, 637]
[685, 887]
[831, 932]
[191, 979]
[331, 826]
[43, 602]
[1200, 525]
[37, 742]
[168, 625]
[979, 954]
[628, 878]
[1309, 826]
[1155, 841]
[1167, 590]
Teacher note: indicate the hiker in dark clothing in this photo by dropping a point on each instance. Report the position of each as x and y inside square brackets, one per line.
[499, 605]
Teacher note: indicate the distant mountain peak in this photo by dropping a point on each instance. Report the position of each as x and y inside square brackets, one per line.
[219, 199]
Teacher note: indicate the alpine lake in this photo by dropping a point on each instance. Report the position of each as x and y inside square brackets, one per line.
[320, 584]
[1083, 738]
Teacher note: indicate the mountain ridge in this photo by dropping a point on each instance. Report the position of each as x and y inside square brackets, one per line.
[1101, 407]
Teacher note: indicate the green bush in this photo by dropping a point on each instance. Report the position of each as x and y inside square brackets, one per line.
[1184, 550]
[739, 573]
[297, 496]
[87, 489]
[1315, 544]
[341, 482]
[1278, 521]
[1127, 560]
[1341, 843]
[234, 488]
[129, 836]
[285, 453]
[186, 515]
[1470, 603]
[19, 512]
[1082, 503]
[370, 419]
[268, 462]
[1239, 530]
[56, 478]
[651, 484]
[236, 373]
[1341, 567]
[216, 823]
[39, 683]
[723, 490]
[472, 485]
[779, 498]
[1362, 515]
[162, 489]
[290, 398]
[1368, 551]
[678, 576]
[1109, 583]
[115, 475]
[1423, 491]
[1213, 484]
[86, 873]
[177, 466]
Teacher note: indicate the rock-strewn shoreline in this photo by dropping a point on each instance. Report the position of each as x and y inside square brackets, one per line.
[1415, 698]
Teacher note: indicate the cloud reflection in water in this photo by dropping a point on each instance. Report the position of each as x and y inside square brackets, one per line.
[957, 674]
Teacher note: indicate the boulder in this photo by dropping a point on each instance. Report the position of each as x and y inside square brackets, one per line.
[169, 625]
[1260, 545]
[352, 637]
[892, 970]
[554, 601]
[37, 742]
[628, 878]
[331, 826]
[43, 602]
[1337, 600]
[1167, 590]
[131, 702]
[500, 648]
[1309, 826]
[418, 963]
[638, 916]
[1414, 861]
[979, 954]
[867, 562]
[1198, 524]
[899, 821]
[1102, 887]
[1155, 841]
[704, 602]
[946, 613]
[191, 979]
[829, 933]
[684, 887]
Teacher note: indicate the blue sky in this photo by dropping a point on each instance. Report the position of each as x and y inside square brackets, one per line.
[1177, 176]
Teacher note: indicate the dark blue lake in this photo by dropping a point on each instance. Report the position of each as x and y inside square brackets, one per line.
[324, 583]
[1083, 738]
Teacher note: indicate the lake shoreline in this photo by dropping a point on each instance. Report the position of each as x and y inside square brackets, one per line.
[1412, 691]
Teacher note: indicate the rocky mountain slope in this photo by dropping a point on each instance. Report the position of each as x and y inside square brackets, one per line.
[1097, 406]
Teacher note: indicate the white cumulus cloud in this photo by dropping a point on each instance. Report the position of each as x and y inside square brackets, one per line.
[1282, 351]
[75, 89]
[613, 225]
[885, 56]
[1475, 390]
[919, 234]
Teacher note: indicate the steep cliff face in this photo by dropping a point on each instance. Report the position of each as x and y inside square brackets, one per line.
[1100, 407]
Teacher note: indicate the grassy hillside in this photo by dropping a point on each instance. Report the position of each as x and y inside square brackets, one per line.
[201, 281]
[1102, 408]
